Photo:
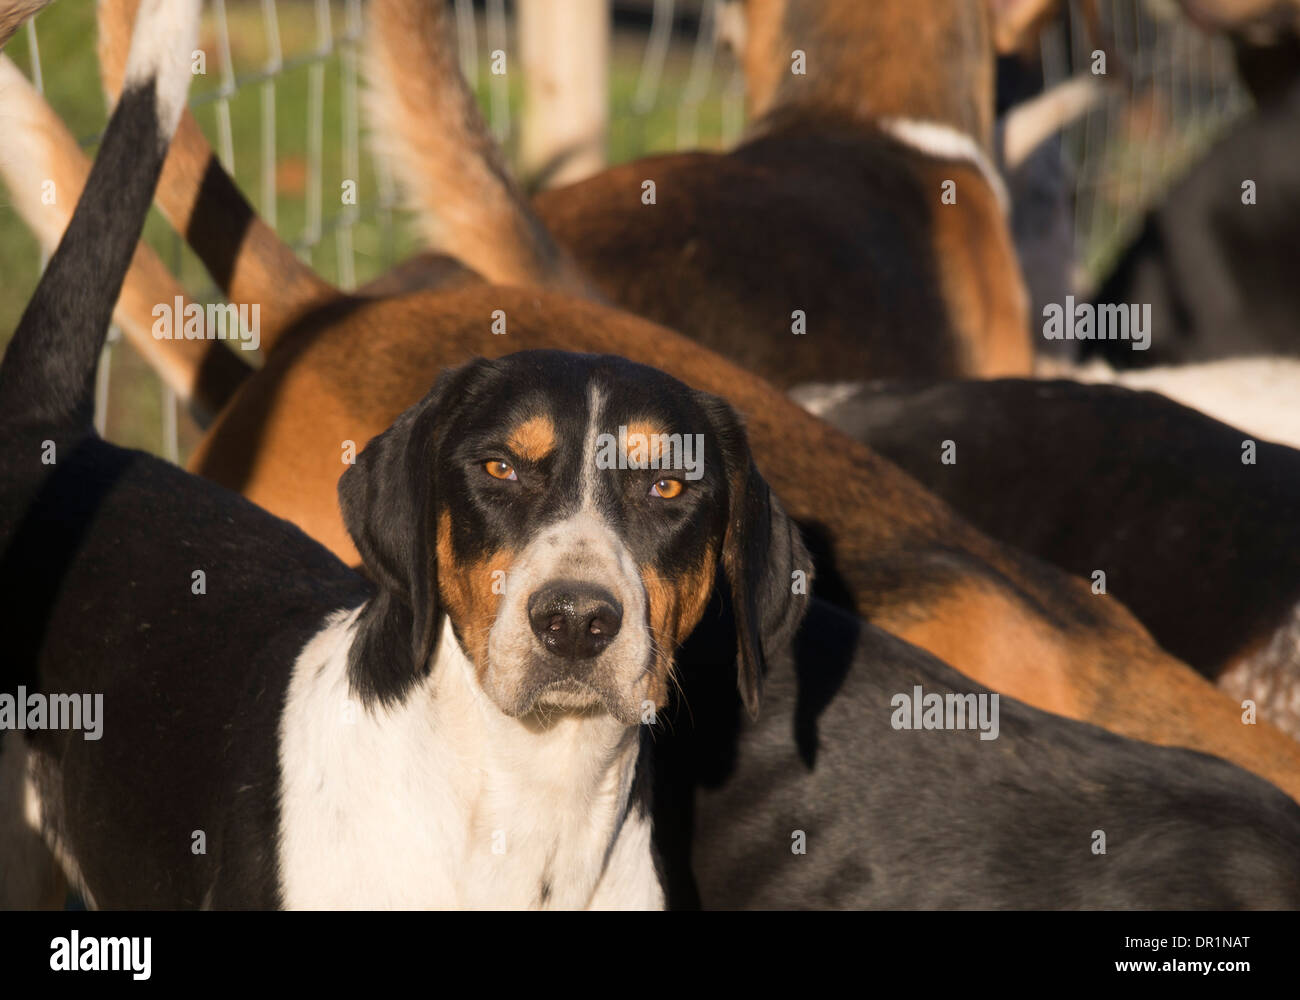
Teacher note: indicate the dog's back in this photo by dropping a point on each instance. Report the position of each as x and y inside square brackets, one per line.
[825, 802]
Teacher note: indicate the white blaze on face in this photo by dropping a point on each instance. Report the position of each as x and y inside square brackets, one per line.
[582, 548]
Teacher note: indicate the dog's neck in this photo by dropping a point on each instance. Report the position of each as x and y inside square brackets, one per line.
[929, 60]
[443, 801]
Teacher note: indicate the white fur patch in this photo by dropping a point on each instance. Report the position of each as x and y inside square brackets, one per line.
[1270, 677]
[943, 142]
[818, 398]
[162, 48]
[444, 802]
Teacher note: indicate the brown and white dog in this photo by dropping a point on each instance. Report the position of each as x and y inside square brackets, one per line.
[864, 203]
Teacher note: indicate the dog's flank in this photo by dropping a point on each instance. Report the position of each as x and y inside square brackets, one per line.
[48, 371]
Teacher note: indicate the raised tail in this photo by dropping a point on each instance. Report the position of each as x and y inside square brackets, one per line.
[47, 377]
[202, 373]
[248, 261]
[425, 123]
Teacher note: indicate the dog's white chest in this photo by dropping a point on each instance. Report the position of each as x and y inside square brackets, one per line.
[403, 809]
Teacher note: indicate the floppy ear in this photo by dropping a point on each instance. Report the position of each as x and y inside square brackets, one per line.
[389, 500]
[761, 549]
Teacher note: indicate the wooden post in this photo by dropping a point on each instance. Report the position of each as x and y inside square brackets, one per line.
[564, 52]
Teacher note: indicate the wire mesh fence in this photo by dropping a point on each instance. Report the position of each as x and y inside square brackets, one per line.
[1181, 92]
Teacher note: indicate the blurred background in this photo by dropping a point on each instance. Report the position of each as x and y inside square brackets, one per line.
[279, 103]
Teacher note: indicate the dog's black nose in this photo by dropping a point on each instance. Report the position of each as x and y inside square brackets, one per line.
[575, 620]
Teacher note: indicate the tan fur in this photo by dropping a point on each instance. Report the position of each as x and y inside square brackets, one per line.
[468, 591]
[674, 607]
[651, 434]
[927, 59]
[991, 312]
[534, 439]
[1022, 655]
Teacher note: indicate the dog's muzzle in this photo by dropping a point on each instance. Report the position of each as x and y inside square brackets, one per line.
[574, 621]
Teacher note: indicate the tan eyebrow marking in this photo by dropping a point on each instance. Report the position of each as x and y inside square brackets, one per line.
[647, 435]
[534, 439]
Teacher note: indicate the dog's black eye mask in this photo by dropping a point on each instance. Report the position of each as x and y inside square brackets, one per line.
[427, 459]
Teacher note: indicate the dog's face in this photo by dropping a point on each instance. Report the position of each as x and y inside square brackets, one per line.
[569, 514]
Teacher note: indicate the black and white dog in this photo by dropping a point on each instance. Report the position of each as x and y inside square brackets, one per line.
[543, 531]
[833, 797]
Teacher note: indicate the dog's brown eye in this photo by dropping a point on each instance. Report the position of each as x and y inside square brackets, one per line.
[667, 489]
[498, 469]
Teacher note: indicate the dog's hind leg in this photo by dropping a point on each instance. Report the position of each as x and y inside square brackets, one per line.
[30, 878]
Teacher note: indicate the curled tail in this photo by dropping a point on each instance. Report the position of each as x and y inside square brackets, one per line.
[48, 373]
[248, 261]
[426, 125]
[202, 373]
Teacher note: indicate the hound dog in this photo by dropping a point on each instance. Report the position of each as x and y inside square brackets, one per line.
[858, 231]
[1190, 521]
[276, 731]
[884, 548]
[827, 800]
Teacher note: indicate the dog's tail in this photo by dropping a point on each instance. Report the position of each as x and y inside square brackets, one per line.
[48, 373]
[248, 261]
[13, 13]
[426, 125]
[45, 171]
